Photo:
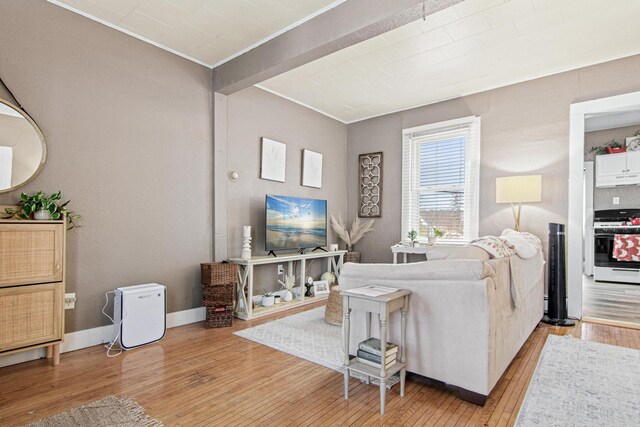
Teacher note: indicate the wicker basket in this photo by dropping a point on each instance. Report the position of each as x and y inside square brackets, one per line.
[218, 295]
[218, 273]
[333, 311]
[352, 256]
[219, 317]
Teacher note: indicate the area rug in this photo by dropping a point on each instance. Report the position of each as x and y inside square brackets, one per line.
[305, 335]
[110, 411]
[583, 383]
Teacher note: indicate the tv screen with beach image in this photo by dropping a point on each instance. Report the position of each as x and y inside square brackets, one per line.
[295, 223]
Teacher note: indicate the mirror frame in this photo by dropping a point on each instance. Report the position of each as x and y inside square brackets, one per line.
[44, 146]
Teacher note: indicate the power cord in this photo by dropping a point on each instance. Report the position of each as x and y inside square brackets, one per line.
[110, 345]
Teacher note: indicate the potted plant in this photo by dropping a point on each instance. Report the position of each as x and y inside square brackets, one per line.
[43, 207]
[413, 237]
[288, 284]
[351, 237]
[611, 147]
[434, 234]
[267, 299]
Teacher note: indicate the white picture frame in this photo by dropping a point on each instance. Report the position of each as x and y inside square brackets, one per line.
[320, 287]
[633, 143]
[311, 169]
[274, 160]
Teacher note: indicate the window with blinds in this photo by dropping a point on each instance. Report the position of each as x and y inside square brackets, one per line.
[440, 180]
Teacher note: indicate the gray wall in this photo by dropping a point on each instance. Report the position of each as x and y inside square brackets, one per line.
[525, 130]
[253, 113]
[603, 197]
[128, 128]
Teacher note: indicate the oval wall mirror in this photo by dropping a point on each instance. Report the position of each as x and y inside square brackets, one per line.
[22, 147]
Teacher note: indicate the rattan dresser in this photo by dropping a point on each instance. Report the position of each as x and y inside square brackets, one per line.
[32, 268]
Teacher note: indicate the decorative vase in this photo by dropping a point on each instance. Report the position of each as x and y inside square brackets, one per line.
[416, 244]
[349, 248]
[352, 256]
[431, 240]
[267, 301]
[288, 296]
[42, 215]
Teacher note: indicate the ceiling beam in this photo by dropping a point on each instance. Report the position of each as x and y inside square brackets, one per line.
[345, 25]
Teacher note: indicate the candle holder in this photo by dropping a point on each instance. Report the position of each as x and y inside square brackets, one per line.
[246, 242]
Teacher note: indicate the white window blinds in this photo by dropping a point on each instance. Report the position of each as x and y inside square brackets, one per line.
[440, 179]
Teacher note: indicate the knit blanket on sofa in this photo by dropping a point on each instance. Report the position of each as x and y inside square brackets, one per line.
[516, 246]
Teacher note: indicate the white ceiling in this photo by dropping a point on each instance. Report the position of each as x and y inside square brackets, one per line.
[473, 46]
[209, 32]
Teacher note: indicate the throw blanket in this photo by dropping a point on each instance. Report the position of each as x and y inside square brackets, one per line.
[626, 247]
[510, 244]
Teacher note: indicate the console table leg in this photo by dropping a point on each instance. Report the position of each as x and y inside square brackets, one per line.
[383, 395]
[403, 374]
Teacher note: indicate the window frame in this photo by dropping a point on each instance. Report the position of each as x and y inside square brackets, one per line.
[412, 138]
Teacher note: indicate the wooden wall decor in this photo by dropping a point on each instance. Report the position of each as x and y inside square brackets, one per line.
[370, 183]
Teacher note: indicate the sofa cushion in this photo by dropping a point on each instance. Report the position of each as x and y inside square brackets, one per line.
[438, 252]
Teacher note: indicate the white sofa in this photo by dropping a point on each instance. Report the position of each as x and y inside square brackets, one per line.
[463, 328]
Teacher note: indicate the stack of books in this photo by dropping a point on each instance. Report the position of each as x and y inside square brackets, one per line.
[369, 353]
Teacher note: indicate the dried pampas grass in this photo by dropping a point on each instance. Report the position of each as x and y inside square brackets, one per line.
[358, 229]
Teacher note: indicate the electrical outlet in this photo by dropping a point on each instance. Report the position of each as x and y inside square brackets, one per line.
[280, 269]
[616, 200]
[70, 301]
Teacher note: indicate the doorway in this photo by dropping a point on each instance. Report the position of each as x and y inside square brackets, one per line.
[583, 115]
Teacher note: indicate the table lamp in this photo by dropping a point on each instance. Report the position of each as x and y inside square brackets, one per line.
[518, 189]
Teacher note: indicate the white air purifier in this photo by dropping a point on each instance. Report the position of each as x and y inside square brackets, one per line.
[140, 315]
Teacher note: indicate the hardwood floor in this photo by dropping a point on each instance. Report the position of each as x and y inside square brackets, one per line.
[210, 377]
[611, 302]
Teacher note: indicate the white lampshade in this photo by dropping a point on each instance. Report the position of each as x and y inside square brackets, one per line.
[519, 189]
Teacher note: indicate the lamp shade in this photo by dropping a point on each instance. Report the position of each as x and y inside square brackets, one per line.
[519, 189]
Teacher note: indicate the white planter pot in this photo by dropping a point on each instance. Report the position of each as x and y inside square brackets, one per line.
[416, 244]
[267, 301]
[288, 296]
[42, 215]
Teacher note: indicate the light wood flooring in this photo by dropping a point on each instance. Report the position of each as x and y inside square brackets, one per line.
[612, 302]
[210, 377]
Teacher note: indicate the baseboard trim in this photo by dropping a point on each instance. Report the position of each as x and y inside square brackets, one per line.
[618, 323]
[96, 336]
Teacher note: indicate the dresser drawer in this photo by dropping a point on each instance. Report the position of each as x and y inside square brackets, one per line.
[31, 253]
[31, 314]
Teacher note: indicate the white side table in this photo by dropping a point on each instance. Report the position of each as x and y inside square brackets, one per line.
[396, 249]
[382, 305]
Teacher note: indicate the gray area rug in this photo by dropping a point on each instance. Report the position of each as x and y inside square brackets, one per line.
[583, 383]
[305, 335]
[110, 411]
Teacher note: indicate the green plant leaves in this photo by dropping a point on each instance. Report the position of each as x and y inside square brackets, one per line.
[28, 205]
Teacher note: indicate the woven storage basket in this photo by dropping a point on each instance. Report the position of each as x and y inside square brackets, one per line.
[219, 317]
[218, 273]
[333, 311]
[218, 295]
[352, 256]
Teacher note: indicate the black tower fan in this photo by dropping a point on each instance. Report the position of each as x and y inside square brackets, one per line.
[557, 303]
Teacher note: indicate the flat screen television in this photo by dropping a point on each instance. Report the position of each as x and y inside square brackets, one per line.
[295, 223]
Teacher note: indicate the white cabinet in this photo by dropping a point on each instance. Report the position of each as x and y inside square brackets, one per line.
[618, 169]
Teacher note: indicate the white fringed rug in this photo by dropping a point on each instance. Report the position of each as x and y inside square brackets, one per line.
[305, 335]
[583, 383]
[108, 412]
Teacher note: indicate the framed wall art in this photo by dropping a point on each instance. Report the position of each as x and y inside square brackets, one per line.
[311, 169]
[273, 163]
[370, 185]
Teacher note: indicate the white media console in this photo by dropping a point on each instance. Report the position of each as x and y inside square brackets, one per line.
[244, 292]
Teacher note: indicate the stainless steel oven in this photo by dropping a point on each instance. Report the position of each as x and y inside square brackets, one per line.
[607, 224]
